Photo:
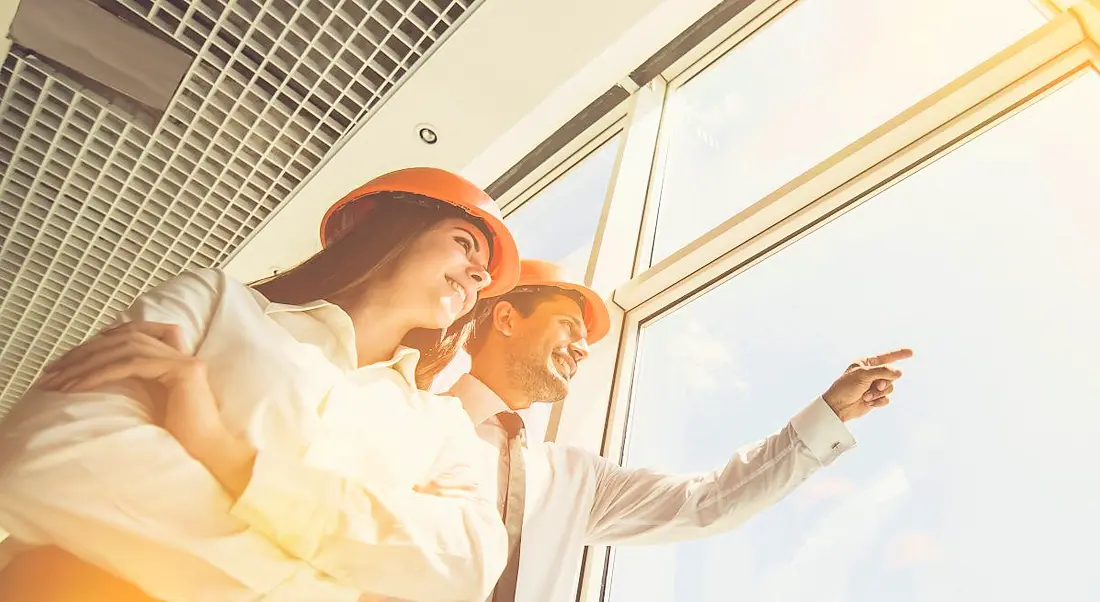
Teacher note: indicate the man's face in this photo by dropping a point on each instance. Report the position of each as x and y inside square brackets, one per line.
[546, 347]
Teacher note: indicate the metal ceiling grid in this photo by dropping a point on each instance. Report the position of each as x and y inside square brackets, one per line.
[96, 207]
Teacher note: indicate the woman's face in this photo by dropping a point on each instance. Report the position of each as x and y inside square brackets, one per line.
[442, 273]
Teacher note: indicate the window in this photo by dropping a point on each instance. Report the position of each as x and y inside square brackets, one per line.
[559, 223]
[978, 482]
[812, 81]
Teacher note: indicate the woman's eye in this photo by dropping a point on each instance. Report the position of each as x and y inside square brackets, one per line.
[465, 243]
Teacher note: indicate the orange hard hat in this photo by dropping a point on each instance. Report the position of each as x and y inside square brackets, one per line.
[445, 187]
[535, 272]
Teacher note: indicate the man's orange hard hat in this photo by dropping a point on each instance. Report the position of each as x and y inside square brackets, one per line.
[535, 272]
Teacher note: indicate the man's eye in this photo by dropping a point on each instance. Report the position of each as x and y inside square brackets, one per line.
[465, 243]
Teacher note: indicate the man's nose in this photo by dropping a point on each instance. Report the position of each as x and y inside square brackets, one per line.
[579, 349]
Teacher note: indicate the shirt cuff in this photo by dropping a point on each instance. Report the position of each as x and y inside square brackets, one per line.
[283, 499]
[822, 431]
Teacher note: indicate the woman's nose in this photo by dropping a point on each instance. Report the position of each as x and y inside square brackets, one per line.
[479, 275]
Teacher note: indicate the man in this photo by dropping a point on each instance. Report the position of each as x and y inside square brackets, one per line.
[527, 346]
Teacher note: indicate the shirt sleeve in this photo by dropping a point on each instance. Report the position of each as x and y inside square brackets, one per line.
[401, 544]
[91, 473]
[641, 506]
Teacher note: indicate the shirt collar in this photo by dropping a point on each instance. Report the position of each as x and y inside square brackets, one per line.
[271, 307]
[403, 362]
[479, 401]
[404, 359]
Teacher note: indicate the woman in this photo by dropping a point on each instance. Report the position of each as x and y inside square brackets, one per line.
[297, 460]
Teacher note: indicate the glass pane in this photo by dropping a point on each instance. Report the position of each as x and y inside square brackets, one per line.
[816, 79]
[559, 223]
[979, 481]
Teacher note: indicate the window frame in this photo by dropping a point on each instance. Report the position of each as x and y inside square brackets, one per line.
[751, 20]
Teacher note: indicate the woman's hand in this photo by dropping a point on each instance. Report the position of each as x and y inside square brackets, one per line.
[154, 355]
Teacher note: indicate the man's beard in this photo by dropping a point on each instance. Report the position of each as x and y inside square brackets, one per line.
[531, 373]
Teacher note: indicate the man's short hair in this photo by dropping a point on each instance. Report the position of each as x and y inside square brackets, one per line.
[526, 299]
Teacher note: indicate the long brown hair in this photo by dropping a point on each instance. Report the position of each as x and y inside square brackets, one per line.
[369, 253]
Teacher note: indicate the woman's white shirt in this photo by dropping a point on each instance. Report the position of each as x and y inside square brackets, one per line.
[330, 511]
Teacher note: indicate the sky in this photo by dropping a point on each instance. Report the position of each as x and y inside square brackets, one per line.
[977, 482]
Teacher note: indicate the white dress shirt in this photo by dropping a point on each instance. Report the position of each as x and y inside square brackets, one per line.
[576, 498]
[330, 511]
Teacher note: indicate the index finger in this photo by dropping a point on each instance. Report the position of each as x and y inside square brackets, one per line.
[889, 357]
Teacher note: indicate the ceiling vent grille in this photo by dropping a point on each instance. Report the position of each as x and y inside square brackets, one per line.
[96, 207]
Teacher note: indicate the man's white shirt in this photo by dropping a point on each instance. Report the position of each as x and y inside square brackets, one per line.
[575, 498]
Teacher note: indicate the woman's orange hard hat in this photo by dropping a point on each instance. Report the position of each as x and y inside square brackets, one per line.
[536, 272]
[446, 187]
